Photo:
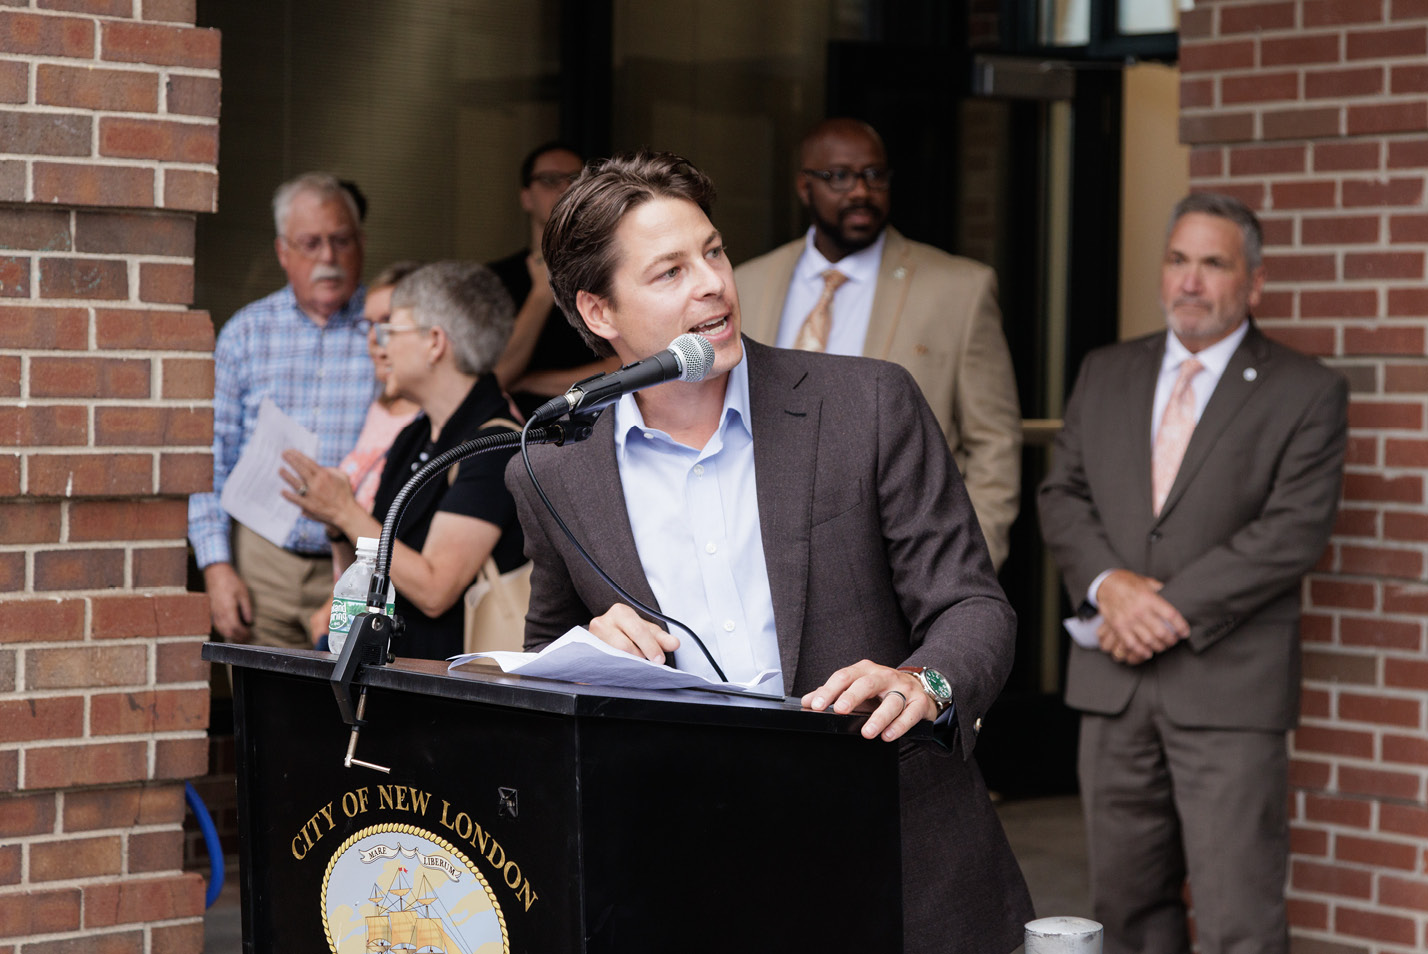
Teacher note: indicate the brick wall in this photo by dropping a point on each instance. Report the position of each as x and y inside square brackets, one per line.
[1316, 113]
[108, 149]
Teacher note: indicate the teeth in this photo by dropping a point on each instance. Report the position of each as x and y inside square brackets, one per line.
[710, 325]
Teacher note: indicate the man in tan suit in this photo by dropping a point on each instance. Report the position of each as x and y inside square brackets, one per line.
[933, 313]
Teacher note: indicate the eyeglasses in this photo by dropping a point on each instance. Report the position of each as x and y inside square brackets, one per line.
[876, 178]
[310, 246]
[554, 180]
[385, 329]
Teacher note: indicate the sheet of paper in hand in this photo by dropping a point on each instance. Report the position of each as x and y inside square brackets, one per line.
[252, 494]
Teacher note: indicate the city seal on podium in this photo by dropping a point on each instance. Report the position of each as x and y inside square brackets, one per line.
[401, 888]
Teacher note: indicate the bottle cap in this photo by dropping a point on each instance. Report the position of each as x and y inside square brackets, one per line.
[367, 543]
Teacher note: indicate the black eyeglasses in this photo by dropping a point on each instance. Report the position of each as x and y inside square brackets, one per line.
[876, 178]
[554, 180]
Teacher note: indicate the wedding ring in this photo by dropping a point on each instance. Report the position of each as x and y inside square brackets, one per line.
[894, 692]
[302, 490]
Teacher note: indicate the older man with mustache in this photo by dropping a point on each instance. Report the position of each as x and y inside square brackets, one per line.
[305, 347]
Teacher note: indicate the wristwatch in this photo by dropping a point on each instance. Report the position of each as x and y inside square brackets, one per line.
[938, 689]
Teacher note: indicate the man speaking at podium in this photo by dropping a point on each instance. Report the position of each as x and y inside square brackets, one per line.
[799, 511]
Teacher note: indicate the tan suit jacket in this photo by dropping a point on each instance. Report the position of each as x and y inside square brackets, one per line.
[936, 315]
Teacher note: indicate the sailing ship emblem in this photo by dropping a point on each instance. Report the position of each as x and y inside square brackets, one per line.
[398, 889]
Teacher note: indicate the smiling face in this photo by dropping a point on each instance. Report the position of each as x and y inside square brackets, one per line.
[671, 276]
[1206, 287]
[843, 222]
[407, 355]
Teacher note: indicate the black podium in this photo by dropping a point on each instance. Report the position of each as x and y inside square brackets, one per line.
[536, 817]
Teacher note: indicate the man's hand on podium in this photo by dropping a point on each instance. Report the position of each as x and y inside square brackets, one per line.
[621, 627]
[900, 703]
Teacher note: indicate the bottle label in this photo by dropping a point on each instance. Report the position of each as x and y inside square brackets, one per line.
[344, 611]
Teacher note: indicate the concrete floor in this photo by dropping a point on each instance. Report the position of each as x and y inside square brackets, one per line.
[1045, 833]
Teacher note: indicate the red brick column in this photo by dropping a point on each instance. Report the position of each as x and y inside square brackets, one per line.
[1315, 112]
[108, 148]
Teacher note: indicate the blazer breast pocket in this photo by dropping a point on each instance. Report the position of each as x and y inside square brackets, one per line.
[835, 500]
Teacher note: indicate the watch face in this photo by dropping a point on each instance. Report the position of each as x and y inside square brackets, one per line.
[938, 683]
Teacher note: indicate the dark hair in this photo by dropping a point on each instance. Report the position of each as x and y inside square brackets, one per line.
[579, 240]
[358, 198]
[1225, 207]
[555, 145]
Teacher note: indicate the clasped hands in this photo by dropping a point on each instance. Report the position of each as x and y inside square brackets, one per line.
[1139, 622]
[897, 697]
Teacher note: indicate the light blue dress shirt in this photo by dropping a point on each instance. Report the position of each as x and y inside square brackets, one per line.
[695, 517]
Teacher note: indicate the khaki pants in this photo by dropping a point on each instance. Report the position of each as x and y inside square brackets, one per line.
[286, 588]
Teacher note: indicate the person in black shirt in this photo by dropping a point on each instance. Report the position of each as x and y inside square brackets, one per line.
[545, 354]
[449, 323]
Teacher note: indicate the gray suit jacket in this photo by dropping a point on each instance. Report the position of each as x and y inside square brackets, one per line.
[872, 553]
[936, 315]
[1250, 512]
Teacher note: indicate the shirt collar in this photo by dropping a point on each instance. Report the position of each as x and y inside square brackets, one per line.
[861, 266]
[1214, 358]
[629, 420]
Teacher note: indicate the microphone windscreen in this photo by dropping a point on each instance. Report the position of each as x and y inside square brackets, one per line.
[695, 355]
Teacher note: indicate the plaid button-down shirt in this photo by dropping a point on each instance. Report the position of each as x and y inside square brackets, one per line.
[321, 377]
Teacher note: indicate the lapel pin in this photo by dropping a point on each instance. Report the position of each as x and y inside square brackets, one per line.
[1251, 374]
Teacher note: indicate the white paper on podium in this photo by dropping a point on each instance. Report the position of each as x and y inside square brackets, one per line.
[252, 495]
[579, 656]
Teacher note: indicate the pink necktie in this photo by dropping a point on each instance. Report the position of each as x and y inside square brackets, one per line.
[813, 335]
[1176, 426]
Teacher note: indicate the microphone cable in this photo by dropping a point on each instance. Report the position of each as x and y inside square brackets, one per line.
[619, 590]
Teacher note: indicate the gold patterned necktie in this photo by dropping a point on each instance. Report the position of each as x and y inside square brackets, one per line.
[1176, 426]
[813, 336]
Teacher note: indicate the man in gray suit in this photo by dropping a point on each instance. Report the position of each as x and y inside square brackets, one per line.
[799, 511]
[1194, 483]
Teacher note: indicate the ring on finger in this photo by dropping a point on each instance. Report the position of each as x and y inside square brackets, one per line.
[894, 692]
[302, 490]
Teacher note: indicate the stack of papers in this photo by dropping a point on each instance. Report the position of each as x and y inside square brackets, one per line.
[579, 656]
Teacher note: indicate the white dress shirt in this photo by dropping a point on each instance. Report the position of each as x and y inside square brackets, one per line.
[852, 303]
[695, 518]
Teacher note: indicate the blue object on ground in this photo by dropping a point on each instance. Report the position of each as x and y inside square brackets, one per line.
[210, 841]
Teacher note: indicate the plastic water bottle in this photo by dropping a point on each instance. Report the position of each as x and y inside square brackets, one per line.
[349, 596]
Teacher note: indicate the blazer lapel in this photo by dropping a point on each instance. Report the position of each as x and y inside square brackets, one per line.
[894, 279]
[1234, 388]
[609, 540]
[1141, 379]
[785, 425]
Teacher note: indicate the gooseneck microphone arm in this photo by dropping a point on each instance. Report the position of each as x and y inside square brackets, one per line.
[369, 642]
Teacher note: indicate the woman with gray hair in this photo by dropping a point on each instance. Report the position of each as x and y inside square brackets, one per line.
[448, 326]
